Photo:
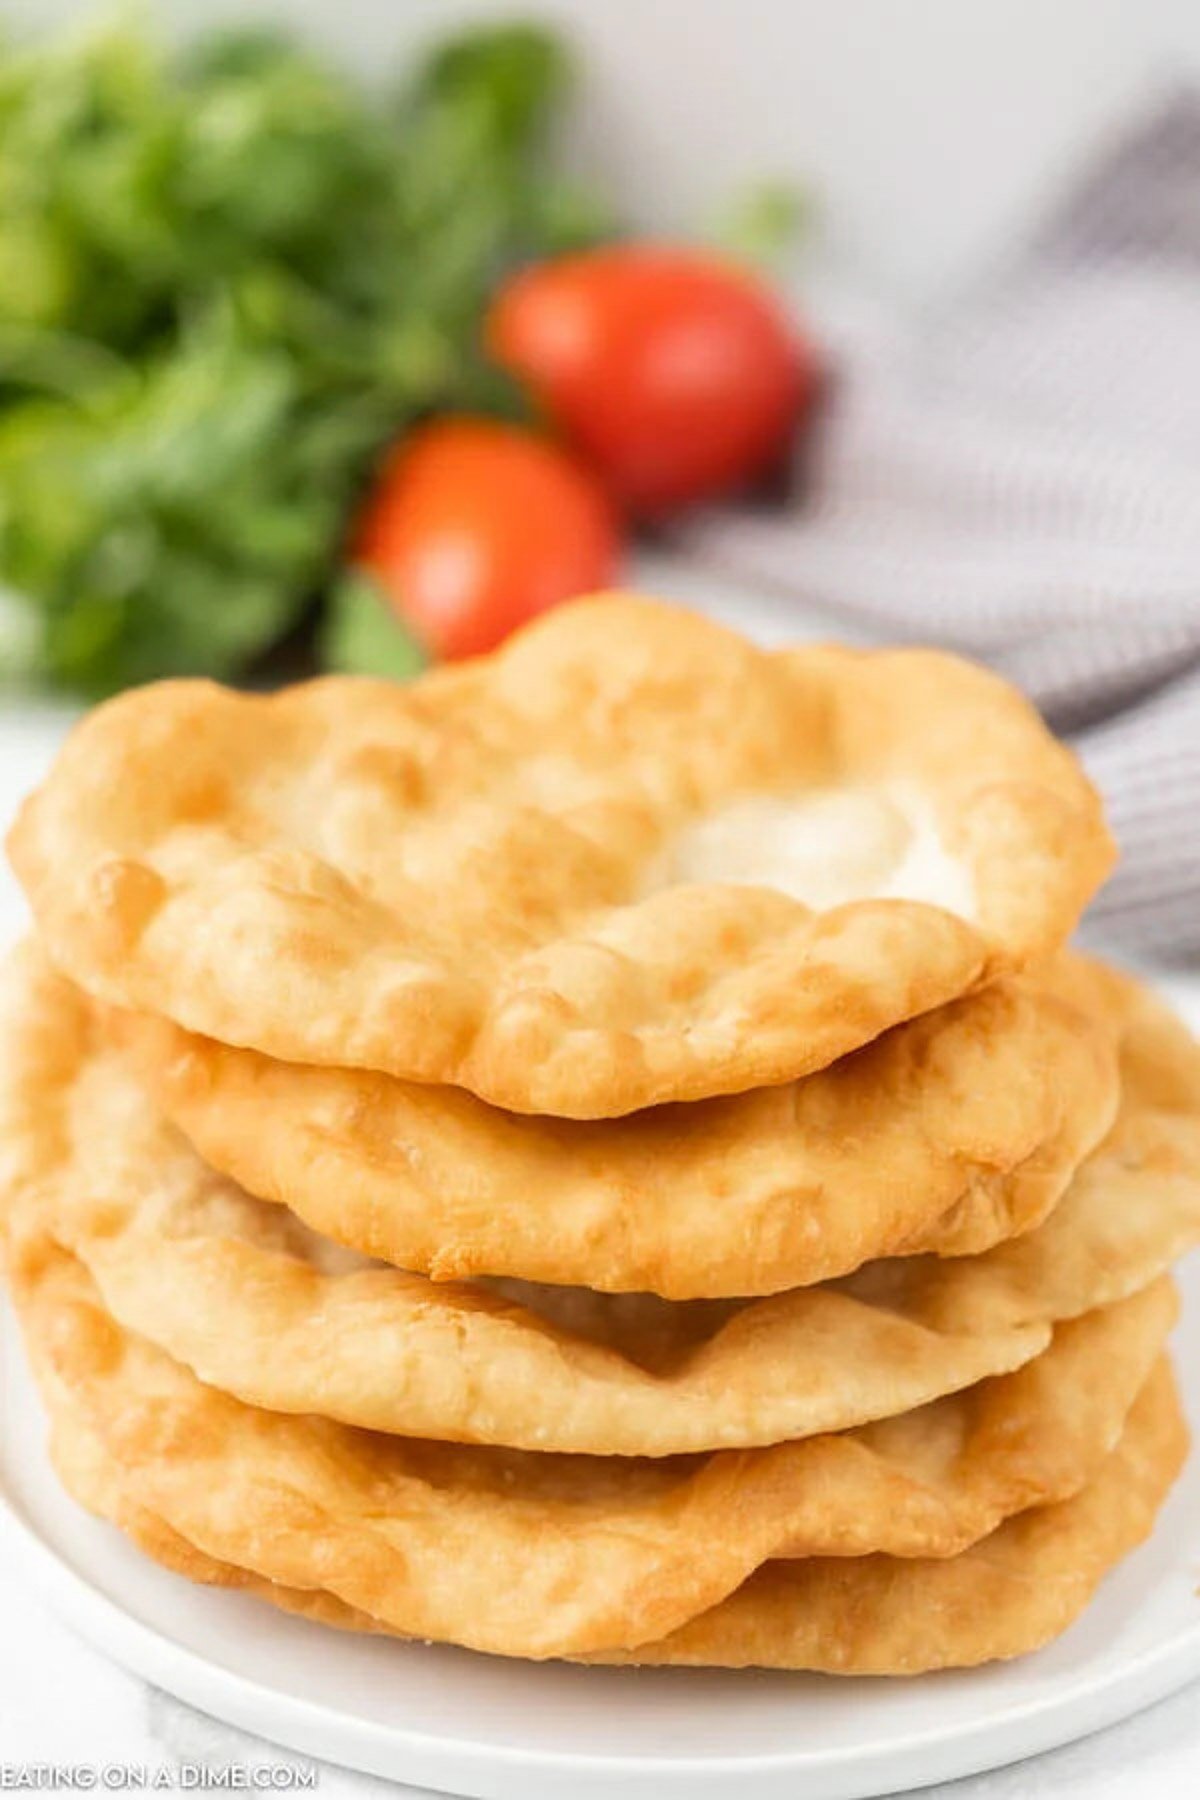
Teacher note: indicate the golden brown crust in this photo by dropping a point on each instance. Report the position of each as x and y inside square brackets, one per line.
[947, 1134]
[250, 1301]
[1117, 1209]
[868, 1616]
[537, 1555]
[1010, 1594]
[871, 1615]
[470, 880]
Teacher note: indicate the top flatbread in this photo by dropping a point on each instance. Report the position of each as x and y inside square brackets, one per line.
[629, 859]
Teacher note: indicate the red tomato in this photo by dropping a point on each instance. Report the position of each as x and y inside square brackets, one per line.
[474, 527]
[672, 371]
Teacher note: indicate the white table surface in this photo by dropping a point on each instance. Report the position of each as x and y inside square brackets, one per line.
[62, 1704]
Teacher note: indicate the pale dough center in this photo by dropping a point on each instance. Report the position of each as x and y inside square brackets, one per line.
[825, 848]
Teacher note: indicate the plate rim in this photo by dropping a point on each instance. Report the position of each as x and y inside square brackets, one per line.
[298, 1723]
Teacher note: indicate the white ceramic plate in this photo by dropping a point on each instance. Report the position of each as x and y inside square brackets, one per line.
[474, 1725]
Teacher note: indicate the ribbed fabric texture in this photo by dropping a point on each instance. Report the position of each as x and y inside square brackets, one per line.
[1021, 481]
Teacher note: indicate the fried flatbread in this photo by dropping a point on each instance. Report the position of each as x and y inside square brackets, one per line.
[628, 859]
[948, 1134]
[538, 1555]
[257, 1305]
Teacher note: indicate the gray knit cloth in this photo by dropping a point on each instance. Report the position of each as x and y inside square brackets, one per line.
[1022, 483]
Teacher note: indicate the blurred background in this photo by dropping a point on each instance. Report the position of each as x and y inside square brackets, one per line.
[354, 338]
[931, 131]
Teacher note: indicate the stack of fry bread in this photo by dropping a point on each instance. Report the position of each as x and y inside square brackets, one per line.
[602, 1152]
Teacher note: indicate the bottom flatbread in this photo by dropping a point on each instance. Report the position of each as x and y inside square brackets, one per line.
[874, 1614]
[543, 1556]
